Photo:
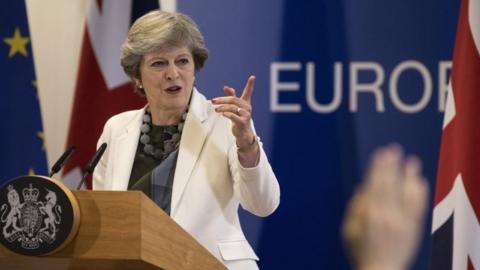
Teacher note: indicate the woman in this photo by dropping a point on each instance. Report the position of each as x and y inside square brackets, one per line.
[197, 159]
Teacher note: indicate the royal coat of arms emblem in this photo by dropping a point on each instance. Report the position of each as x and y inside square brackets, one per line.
[36, 217]
[32, 221]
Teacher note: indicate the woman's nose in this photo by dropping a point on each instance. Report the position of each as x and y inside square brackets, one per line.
[172, 72]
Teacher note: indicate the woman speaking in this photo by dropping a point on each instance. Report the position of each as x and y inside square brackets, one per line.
[196, 159]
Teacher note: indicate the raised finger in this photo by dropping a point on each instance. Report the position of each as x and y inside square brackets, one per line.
[229, 91]
[415, 189]
[384, 174]
[247, 91]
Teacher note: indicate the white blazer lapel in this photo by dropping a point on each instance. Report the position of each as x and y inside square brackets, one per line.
[126, 147]
[197, 128]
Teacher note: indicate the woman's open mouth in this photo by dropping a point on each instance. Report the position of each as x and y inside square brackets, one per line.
[173, 89]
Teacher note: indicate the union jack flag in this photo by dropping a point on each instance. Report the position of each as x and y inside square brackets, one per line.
[102, 89]
[455, 225]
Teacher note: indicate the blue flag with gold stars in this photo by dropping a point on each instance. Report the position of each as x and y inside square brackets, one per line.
[21, 137]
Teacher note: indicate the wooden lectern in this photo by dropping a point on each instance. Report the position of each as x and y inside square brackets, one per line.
[120, 230]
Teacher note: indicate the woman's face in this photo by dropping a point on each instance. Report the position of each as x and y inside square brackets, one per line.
[167, 76]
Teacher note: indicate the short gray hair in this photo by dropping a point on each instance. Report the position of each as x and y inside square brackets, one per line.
[158, 29]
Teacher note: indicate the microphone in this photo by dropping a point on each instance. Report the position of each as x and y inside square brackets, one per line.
[61, 161]
[92, 164]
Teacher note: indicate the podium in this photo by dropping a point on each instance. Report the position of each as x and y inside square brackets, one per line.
[120, 230]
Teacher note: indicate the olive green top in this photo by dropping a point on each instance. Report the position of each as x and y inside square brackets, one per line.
[144, 164]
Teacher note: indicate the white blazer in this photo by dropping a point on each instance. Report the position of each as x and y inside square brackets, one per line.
[209, 182]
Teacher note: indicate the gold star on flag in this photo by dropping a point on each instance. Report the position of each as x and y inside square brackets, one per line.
[31, 172]
[18, 43]
[41, 135]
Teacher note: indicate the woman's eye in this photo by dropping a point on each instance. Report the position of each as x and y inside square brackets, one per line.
[183, 61]
[158, 64]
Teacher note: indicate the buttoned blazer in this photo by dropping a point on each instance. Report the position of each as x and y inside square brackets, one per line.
[209, 182]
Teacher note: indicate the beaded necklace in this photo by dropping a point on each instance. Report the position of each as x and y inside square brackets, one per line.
[171, 136]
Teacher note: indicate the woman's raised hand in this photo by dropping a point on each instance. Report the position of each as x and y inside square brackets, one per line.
[239, 110]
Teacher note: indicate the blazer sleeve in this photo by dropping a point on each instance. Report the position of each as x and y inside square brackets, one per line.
[256, 188]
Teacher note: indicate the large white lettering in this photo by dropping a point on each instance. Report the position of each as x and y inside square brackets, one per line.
[276, 86]
[337, 92]
[357, 87]
[443, 74]
[373, 87]
[427, 86]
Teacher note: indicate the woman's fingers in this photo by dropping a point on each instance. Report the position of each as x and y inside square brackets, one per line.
[244, 101]
[238, 110]
[248, 90]
[236, 114]
[231, 108]
[229, 91]
[229, 102]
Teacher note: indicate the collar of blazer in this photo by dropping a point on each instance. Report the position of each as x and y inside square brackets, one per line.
[198, 125]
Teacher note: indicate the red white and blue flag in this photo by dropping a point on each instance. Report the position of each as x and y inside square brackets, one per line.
[102, 88]
[456, 214]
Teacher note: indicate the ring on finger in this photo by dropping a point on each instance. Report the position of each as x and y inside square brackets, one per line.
[238, 110]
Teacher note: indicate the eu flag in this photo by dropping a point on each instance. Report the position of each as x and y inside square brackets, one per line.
[21, 137]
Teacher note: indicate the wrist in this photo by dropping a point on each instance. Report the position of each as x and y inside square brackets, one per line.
[249, 155]
[248, 147]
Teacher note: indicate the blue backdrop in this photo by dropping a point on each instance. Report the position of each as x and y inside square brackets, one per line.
[335, 80]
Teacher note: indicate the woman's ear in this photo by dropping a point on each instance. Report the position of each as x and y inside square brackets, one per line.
[138, 83]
